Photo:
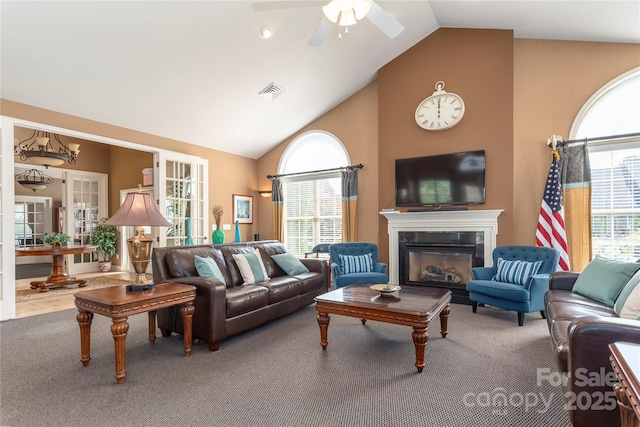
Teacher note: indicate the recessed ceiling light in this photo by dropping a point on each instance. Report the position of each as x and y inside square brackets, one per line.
[266, 33]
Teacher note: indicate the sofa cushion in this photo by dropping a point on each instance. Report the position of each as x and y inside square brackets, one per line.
[290, 264]
[228, 251]
[245, 298]
[310, 282]
[207, 267]
[568, 311]
[267, 250]
[356, 263]
[251, 267]
[603, 279]
[282, 288]
[628, 303]
[181, 261]
[517, 272]
[501, 290]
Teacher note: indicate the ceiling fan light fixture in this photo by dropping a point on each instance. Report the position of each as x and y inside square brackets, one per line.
[346, 12]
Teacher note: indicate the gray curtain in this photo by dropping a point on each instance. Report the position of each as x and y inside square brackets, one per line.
[349, 205]
[277, 209]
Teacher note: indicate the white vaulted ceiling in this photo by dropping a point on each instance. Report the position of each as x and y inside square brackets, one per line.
[192, 71]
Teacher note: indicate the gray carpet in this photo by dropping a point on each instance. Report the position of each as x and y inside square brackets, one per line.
[278, 375]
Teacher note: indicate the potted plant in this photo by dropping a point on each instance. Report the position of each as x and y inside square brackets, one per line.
[105, 238]
[56, 239]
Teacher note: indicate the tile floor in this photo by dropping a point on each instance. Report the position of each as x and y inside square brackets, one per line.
[48, 305]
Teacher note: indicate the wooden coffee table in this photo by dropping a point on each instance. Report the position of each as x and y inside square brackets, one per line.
[413, 306]
[118, 303]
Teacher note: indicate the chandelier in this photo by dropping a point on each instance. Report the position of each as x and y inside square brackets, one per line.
[33, 179]
[46, 149]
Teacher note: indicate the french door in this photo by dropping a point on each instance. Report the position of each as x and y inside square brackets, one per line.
[183, 198]
[85, 200]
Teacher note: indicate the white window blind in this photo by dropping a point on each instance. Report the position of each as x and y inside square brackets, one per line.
[615, 203]
[313, 212]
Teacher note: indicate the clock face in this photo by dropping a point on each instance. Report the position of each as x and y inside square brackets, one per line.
[440, 112]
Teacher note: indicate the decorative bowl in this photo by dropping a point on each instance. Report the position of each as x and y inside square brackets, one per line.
[385, 289]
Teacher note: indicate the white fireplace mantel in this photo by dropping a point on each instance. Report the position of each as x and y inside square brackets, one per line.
[467, 220]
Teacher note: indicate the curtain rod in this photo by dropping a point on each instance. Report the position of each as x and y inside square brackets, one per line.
[588, 140]
[358, 166]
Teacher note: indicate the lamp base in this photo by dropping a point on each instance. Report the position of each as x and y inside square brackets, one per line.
[142, 287]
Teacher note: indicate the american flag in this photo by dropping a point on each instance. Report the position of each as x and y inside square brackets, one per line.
[551, 232]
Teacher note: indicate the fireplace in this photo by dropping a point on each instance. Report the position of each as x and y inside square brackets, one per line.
[442, 247]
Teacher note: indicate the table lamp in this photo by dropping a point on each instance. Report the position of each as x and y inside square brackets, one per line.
[139, 209]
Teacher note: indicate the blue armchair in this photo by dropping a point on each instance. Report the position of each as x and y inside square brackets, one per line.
[511, 285]
[349, 266]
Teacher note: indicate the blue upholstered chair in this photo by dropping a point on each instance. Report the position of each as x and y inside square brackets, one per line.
[509, 285]
[356, 262]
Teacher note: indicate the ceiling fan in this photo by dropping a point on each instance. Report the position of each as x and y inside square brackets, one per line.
[342, 12]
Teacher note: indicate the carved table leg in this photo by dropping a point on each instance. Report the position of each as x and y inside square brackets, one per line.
[152, 326]
[420, 338]
[323, 322]
[119, 329]
[444, 319]
[84, 319]
[627, 414]
[187, 319]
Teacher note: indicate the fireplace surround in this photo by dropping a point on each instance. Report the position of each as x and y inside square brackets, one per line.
[441, 246]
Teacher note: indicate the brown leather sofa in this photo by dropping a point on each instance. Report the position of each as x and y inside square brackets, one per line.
[581, 330]
[226, 309]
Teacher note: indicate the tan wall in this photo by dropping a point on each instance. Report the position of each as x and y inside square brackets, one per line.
[228, 174]
[125, 172]
[552, 81]
[355, 124]
[475, 64]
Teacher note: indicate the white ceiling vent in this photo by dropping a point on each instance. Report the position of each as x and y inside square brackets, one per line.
[271, 92]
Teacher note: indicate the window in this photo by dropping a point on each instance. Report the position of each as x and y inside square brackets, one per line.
[312, 202]
[615, 167]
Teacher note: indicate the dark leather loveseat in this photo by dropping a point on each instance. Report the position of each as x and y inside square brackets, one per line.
[581, 330]
[226, 309]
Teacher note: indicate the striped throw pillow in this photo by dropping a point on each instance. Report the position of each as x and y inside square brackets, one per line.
[356, 263]
[517, 272]
[628, 303]
[251, 267]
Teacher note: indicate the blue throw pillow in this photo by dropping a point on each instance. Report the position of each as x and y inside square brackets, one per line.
[251, 267]
[517, 272]
[207, 267]
[290, 264]
[356, 263]
[603, 279]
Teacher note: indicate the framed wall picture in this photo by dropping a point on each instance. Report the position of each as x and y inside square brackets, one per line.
[242, 209]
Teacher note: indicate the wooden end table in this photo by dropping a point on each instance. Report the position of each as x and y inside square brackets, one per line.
[118, 303]
[625, 361]
[58, 276]
[414, 306]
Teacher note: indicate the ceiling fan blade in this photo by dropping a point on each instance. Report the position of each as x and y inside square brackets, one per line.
[384, 21]
[265, 6]
[321, 33]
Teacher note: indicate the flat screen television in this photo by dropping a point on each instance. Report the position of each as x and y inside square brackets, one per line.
[441, 180]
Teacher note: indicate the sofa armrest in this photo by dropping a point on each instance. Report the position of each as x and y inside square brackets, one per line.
[380, 267]
[335, 270]
[589, 367]
[483, 273]
[210, 309]
[562, 280]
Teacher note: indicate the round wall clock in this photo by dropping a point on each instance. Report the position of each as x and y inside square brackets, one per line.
[441, 110]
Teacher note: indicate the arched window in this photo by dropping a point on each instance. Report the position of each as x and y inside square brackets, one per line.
[615, 166]
[312, 200]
